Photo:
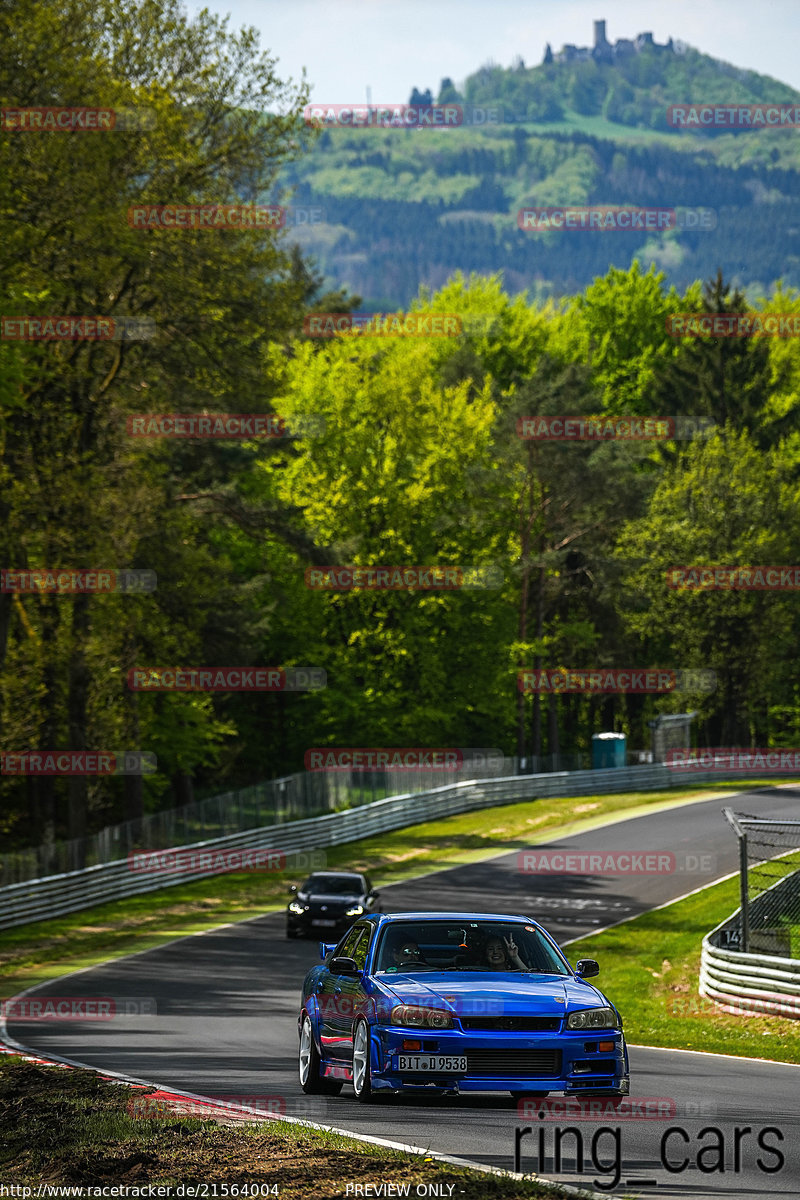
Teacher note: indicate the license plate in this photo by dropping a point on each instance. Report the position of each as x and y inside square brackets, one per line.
[327, 924]
[432, 1062]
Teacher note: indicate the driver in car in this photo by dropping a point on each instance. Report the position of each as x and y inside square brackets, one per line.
[408, 954]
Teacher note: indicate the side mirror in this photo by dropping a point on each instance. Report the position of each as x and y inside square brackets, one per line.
[344, 966]
[326, 948]
[586, 967]
[292, 890]
[374, 894]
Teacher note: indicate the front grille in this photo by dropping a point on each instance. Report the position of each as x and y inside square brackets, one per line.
[513, 1024]
[514, 1062]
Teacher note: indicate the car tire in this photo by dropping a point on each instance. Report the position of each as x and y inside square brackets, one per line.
[526, 1095]
[291, 933]
[362, 1066]
[309, 1064]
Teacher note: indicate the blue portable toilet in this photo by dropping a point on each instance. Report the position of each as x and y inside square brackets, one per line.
[608, 750]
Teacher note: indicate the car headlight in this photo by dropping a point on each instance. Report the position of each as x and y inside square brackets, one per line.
[593, 1018]
[416, 1017]
[297, 909]
[355, 911]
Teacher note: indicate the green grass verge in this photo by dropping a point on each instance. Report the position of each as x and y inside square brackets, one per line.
[649, 968]
[31, 954]
[70, 1127]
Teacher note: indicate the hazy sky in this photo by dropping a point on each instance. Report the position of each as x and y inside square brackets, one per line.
[394, 45]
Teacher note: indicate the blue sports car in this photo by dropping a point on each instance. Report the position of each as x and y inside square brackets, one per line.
[453, 1003]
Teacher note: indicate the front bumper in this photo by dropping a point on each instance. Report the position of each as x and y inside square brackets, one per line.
[306, 925]
[570, 1062]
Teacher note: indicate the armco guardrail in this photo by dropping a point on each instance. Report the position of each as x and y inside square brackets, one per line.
[56, 895]
[763, 983]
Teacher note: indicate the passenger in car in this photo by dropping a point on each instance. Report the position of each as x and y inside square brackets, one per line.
[502, 954]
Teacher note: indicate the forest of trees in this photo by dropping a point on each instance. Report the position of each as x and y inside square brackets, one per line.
[417, 462]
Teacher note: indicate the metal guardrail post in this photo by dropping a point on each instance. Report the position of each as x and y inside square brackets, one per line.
[744, 896]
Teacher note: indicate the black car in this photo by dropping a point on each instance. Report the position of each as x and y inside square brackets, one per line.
[329, 902]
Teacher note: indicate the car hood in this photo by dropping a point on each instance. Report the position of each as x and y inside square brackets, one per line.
[482, 992]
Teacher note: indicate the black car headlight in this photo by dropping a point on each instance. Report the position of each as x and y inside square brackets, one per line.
[297, 909]
[355, 910]
[593, 1018]
[417, 1017]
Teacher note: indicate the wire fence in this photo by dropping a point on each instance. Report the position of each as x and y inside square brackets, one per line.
[298, 846]
[769, 877]
[273, 802]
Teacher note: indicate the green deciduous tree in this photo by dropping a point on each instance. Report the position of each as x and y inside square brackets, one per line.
[211, 119]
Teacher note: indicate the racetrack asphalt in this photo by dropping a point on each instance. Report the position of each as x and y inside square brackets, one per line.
[218, 1017]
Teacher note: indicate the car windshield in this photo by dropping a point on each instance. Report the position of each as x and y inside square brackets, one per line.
[466, 946]
[333, 885]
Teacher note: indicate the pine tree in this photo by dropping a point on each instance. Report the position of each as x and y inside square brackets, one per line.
[725, 378]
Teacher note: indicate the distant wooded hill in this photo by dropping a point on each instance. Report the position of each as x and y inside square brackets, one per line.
[410, 207]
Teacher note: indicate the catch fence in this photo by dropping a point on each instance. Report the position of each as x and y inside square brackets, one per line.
[273, 802]
[55, 895]
[751, 962]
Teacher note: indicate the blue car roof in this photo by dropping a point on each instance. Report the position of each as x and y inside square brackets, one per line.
[452, 916]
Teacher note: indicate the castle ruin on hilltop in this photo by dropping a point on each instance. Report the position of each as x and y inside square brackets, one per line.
[605, 51]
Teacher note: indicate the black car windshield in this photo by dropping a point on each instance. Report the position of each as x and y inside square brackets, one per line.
[466, 946]
[333, 885]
